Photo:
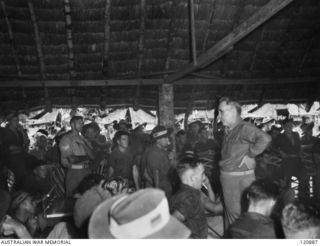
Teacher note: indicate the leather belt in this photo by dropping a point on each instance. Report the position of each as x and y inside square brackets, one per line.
[79, 166]
[238, 173]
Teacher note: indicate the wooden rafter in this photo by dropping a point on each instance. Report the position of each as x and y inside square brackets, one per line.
[256, 48]
[153, 82]
[37, 39]
[192, 32]
[209, 23]
[67, 10]
[170, 35]
[105, 58]
[246, 27]
[11, 38]
[142, 34]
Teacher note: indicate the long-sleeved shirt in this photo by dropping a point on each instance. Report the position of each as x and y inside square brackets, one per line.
[244, 139]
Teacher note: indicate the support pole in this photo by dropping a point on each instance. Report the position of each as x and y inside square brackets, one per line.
[192, 32]
[166, 112]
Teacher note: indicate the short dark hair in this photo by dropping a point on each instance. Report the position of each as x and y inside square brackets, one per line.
[119, 134]
[75, 118]
[88, 182]
[231, 101]
[263, 189]
[298, 217]
[188, 160]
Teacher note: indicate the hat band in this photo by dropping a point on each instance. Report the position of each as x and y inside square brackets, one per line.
[158, 134]
[144, 226]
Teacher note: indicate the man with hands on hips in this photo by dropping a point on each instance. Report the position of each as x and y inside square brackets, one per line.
[242, 142]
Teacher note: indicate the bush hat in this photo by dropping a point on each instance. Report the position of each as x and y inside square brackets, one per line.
[161, 132]
[143, 214]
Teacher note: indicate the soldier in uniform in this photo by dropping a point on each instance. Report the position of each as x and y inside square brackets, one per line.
[76, 155]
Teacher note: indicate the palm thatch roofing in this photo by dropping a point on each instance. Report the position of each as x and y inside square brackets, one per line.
[118, 52]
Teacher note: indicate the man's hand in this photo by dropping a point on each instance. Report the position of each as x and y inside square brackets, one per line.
[206, 181]
[11, 226]
[249, 162]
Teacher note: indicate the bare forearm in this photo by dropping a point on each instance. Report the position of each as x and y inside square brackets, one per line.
[135, 174]
[156, 178]
[211, 195]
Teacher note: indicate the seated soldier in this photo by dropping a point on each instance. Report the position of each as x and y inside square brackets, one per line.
[37, 182]
[189, 203]
[300, 221]
[22, 206]
[256, 223]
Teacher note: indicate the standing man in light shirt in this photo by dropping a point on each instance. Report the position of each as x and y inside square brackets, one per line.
[76, 155]
[241, 143]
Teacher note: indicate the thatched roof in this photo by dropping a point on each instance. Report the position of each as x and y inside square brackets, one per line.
[102, 41]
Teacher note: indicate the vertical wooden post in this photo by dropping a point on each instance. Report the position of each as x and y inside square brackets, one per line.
[192, 32]
[166, 111]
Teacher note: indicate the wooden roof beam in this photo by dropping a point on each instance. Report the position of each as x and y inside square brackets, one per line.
[154, 82]
[11, 38]
[141, 34]
[105, 58]
[171, 27]
[37, 39]
[209, 23]
[246, 27]
[67, 11]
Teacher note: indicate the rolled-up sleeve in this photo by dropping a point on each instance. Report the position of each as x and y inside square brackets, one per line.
[258, 139]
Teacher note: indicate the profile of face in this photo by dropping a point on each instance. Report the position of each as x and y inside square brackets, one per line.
[198, 176]
[163, 142]
[228, 114]
[123, 141]
[77, 125]
[28, 205]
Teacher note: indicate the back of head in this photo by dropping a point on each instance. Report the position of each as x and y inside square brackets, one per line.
[263, 189]
[187, 161]
[300, 221]
[88, 182]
